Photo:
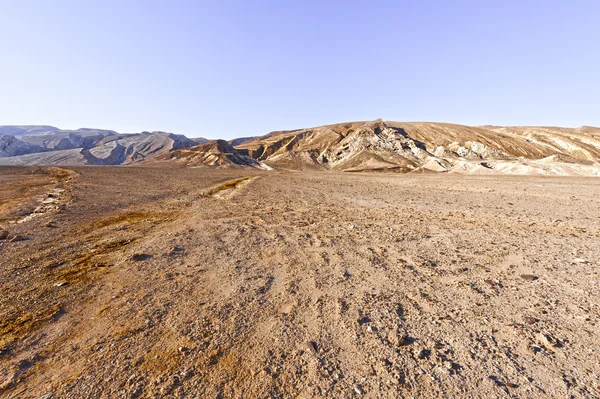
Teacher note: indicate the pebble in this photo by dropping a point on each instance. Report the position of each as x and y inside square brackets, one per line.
[359, 390]
[312, 347]
[580, 260]
[491, 283]
[529, 277]
[372, 329]
[548, 340]
[140, 257]
[3, 234]
[530, 320]
[61, 284]
[176, 250]
[18, 237]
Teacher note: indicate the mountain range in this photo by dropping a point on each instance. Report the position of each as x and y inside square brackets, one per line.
[47, 145]
[351, 147]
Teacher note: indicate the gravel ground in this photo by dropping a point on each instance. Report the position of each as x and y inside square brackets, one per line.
[185, 283]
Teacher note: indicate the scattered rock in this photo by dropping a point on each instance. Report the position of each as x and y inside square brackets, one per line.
[580, 260]
[548, 340]
[313, 347]
[372, 328]
[136, 392]
[183, 350]
[529, 277]
[140, 257]
[61, 284]
[176, 251]
[3, 234]
[18, 237]
[400, 338]
[491, 283]
[359, 390]
[530, 320]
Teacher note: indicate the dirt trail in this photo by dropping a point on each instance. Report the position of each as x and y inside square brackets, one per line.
[211, 284]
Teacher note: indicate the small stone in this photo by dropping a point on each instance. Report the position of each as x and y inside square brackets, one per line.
[359, 390]
[183, 350]
[18, 237]
[548, 340]
[3, 234]
[511, 385]
[176, 250]
[529, 277]
[530, 320]
[372, 329]
[61, 284]
[313, 347]
[491, 283]
[580, 260]
[140, 257]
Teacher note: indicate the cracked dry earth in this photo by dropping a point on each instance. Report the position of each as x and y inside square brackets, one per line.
[203, 283]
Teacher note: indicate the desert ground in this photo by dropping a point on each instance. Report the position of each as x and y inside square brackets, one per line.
[156, 282]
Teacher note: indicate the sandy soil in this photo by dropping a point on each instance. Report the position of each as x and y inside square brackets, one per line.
[185, 283]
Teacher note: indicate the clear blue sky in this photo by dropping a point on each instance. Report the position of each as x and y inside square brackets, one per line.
[237, 68]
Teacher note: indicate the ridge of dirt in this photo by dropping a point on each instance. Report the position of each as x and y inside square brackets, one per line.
[229, 188]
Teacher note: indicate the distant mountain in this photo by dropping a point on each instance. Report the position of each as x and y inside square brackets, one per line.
[11, 146]
[47, 145]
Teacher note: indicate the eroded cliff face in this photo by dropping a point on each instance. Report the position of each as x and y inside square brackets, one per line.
[431, 147]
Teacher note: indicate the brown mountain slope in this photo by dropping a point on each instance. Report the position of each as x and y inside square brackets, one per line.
[414, 146]
[213, 153]
[582, 143]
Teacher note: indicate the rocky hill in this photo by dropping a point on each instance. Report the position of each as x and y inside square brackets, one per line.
[213, 153]
[431, 147]
[47, 145]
